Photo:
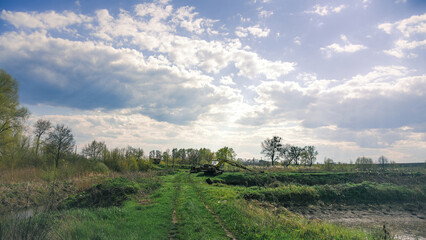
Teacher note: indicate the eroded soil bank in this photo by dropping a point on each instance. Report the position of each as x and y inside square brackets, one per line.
[405, 221]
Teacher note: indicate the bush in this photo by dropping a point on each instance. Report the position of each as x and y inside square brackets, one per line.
[100, 168]
[110, 193]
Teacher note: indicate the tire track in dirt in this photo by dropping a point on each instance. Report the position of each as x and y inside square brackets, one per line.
[175, 230]
[215, 216]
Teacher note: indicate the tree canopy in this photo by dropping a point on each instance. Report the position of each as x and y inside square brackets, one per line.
[271, 148]
[12, 115]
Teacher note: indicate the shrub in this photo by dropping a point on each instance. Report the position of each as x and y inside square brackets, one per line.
[110, 193]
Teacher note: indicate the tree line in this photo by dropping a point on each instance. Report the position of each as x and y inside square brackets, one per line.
[273, 149]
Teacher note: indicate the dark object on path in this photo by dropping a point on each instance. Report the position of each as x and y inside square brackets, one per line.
[209, 181]
[386, 233]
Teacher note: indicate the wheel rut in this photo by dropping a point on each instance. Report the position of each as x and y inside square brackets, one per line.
[175, 230]
[217, 218]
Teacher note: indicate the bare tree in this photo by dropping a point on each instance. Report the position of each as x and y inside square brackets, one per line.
[383, 161]
[62, 141]
[309, 155]
[40, 127]
[135, 152]
[293, 154]
[94, 150]
[271, 148]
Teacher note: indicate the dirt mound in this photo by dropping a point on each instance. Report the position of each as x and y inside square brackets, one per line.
[112, 192]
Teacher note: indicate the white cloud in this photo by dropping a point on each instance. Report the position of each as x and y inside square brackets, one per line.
[297, 41]
[412, 27]
[255, 30]
[346, 48]
[45, 20]
[132, 60]
[227, 80]
[251, 65]
[367, 109]
[415, 24]
[325, 10]
[265, 14]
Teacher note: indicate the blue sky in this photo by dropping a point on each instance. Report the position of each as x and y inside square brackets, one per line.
[345, 76]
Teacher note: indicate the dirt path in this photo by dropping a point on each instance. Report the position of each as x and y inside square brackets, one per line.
[218, 220]
[228, 233]
[174, 230]
[191, 217]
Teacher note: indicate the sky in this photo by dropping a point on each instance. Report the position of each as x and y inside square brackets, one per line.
[348, 77]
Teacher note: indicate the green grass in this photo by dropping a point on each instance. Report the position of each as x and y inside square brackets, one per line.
[202, 211]
[323, 178]
[149, 219]
[351, 193]
[257, 220]
[194, 220]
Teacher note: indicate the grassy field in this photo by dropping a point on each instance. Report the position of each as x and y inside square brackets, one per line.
[178, 205]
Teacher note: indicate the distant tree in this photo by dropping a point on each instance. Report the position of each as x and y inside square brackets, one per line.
[309, 155]
[158, 154]
[271, 148]
[134, 152]
[294, 153]
[61, 140]
[182, 155]
[383, 161]
[328, 163]
[193, 155]
[94, 150]
[364, 163]
[12, 116]
[152, 154]
[40, 127]
[166, 156]
[205, 155]
[174, 156]
[225, 153]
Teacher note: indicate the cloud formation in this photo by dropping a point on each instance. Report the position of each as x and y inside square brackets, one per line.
[346, 48]
[132, 60]
[324, 10]
[411, 32]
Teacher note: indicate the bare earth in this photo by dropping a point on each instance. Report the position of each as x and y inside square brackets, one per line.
[403, 221]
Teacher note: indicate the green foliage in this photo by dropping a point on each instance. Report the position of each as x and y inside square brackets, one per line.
[12, 117]
[100, 167]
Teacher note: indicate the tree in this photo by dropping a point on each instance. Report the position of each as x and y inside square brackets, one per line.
[182, 155]
[383, 161]
[166, 156]
[134, 152]
[225, 153]
[12, 116]
[40, 127]
[94, 150]
[328, 163]
[293, 154]
[309, 155]
[271, 148]
[364, 163]
[152, 154]
[61, 140]
[193, 156]
[174, 156]
[205, 155]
